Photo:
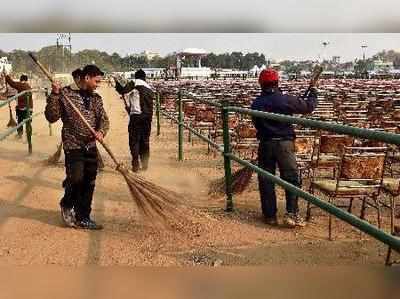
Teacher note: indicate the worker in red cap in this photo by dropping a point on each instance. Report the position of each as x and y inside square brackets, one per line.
[276, 145]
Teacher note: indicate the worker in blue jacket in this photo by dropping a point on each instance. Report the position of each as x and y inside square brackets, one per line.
[276, 145]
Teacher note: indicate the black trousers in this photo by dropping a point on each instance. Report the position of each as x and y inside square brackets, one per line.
[21, 116]
[270, 154]
[81, 172]
[139, 140]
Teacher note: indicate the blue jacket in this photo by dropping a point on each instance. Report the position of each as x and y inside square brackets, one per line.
[272, 100]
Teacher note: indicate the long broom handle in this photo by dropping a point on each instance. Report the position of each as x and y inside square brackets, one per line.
[127, 107]
[9, 104]
[314, 79]
[49, 76]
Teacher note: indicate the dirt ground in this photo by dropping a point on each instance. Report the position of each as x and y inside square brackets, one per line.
[31, 231]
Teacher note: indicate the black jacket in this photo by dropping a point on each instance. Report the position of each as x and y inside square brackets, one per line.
[146, 96]
[272, 100]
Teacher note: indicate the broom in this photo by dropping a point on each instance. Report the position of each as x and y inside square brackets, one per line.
[53, 159]
[100, 162]
[154, 202]
[11, 123]
[241, 178]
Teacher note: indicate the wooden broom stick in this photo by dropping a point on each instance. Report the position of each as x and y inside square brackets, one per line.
[49, 76]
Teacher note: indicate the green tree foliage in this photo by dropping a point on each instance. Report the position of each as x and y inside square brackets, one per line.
[57, 59]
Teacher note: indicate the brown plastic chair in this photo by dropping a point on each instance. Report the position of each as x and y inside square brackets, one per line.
[246, 143]
[359, 176]
[329, 151]
[304, 148]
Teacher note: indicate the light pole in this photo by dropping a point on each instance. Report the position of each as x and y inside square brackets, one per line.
[64, 40]
[364, 47]
[324, 44]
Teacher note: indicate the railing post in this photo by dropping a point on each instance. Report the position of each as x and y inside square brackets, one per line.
[180, 127]
[158, 113]
[28, 124]
[227, 159]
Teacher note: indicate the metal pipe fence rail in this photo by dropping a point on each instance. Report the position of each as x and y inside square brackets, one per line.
[27, 121]
[343, 215]
[15, 97]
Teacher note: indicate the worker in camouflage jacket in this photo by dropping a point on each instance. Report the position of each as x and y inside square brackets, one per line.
[79, 144]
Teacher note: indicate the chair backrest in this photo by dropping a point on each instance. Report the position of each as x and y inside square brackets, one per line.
[304, 147]
[205, 115]
[363, 163]
[334, 144]
[246, 130]
[189, 108]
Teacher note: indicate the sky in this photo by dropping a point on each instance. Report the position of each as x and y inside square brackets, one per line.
[275, 46]
[284, 29]
[201, 16]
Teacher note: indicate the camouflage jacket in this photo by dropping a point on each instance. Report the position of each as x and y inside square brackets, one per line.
[75, 134]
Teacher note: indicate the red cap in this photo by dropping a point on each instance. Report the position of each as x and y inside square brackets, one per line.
[268, 76]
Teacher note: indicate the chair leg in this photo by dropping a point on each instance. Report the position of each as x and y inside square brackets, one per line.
[330, 223]
[308, 213]
[362, 214]
[392, 213]
[208, 145]
[378, 209]
[350, 205]
[389, 253]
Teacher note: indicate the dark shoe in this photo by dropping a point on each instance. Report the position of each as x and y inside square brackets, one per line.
[68, 216]
[271, 221]
[88, 224]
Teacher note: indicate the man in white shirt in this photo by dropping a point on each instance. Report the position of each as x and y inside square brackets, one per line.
[140, 98]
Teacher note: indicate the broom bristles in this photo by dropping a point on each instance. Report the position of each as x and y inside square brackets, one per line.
[154, 202]
[241, 179]
[100, 161]
[11, 123]
[53, 159]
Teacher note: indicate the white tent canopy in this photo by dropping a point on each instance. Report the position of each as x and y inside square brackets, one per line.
[193, 51]
[255, 69]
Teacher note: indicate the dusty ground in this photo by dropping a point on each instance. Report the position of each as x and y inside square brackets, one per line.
[32, 233]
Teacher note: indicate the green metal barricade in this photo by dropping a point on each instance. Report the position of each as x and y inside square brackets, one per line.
[349, 218]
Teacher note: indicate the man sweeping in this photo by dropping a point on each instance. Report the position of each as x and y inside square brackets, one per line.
[24, 106]
[77, 76]
[79, 144]
[276, 145]
[140, 109]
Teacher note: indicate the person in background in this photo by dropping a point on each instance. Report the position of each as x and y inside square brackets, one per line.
[24, 106]
[276, 145]
[140, 108]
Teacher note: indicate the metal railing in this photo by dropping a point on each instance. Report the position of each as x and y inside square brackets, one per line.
[27, 121]
[228, 156]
